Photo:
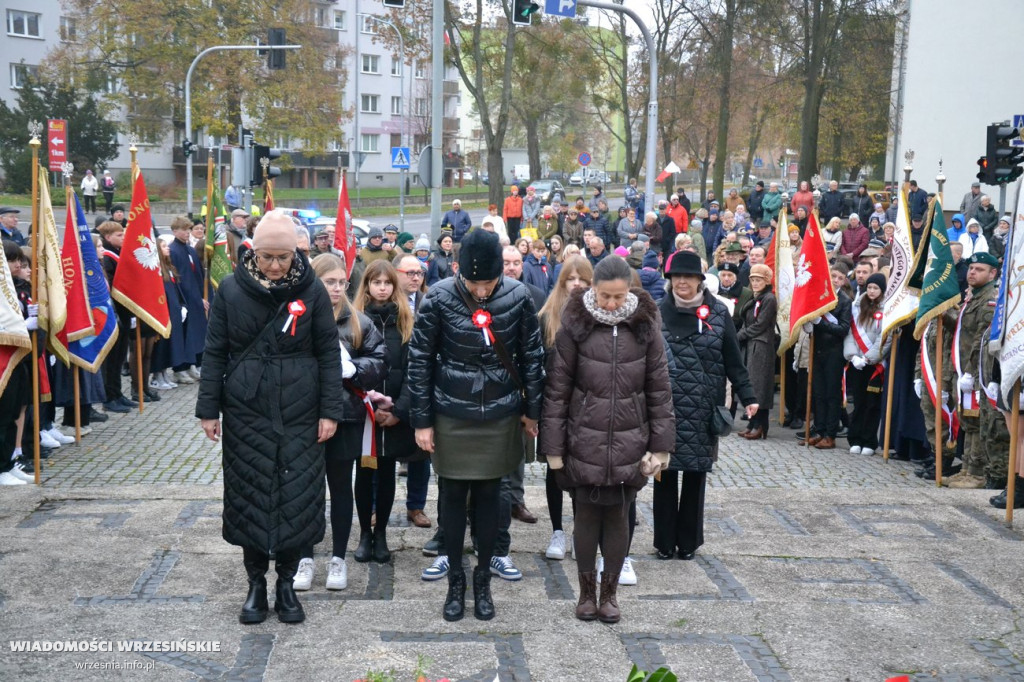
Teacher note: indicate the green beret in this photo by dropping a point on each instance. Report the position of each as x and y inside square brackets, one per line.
[734, 247]
[985, 258]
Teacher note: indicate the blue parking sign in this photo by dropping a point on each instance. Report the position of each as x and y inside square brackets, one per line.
[400, 157]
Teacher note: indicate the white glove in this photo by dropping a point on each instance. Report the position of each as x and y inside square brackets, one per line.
[945, 397]
[817, 320]
[32, 323]
[967, 383]
[992, 391]
[348, 370]
[808, 327]
[831, 318]
[796, 365]
[918, 387]
[33, 310]
[858, 362]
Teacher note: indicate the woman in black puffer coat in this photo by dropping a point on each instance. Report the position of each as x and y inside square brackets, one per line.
[280, 395]
[362, 370]
[468, 409]
[703, 352]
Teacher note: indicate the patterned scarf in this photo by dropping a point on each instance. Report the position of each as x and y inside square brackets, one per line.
[610, 317]
[290, 278]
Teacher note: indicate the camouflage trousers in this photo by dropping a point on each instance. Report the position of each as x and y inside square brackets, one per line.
[995, 443]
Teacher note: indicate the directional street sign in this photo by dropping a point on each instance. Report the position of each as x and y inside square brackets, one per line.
[400, 157]
[560, 8]
[584, 158]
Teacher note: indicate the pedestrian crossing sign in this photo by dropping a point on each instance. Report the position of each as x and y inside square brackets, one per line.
[400, 157]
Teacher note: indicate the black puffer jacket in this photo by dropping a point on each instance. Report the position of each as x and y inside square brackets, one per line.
[452, 372]
[607, 401]
[271, 404]
[398, 440]
[369, 361]
[699, 363]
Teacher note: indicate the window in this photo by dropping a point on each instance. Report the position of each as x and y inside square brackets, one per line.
[367, 24]
[68, 29]
[421, 70]
[369, 104]
[396, 140]
[369, 143]
[371, 63]
[339, 21]
[321, 16]
[24, 24]
[396, 67]
[112, 84]
[396, 106]
[19, 73]
[421, 106]
[146, 136]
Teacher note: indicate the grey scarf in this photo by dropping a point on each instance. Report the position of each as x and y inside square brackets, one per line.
[610, 318]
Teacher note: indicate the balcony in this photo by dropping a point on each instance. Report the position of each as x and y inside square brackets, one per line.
[451, 88]
[450, 124]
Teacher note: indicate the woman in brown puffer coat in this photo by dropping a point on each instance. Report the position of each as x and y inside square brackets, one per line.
[607, 422]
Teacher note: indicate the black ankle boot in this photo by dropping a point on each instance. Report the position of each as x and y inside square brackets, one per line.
[455, 602]
[381, 553]
[364, 550]
[483, 605]
[255, 608]
[286, 604]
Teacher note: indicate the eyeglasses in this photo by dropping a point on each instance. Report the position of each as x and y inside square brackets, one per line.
[412, 274]
[331, 283]
[267, 259]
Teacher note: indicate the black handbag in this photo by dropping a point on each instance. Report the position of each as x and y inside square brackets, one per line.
[721, 421]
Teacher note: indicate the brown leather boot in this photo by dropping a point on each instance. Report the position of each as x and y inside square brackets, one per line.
[608, 611]
[586, 607]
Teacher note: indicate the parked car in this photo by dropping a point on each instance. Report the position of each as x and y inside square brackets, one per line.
[576, 179]
[549, 190]
[314, 222]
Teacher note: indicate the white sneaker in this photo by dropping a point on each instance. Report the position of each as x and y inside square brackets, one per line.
[7, 478]
[55, 434]
[169, 377]
[337, 574]
[855, 450]
[303, 576]
[183, 378]
[437, 569]
[21, 474]
[867, 451]
[627, 576]
[556, 548]
[194, 372]
[48, 441]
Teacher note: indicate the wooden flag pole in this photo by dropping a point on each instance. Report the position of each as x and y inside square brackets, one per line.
[1011, 477]
[78, 407]
[938, 401]
[35, 129]
[810, 386]
[138, 323]
[888, 402]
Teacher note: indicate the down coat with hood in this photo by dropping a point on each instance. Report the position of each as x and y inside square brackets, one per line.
[607, 401]
[271, 401]
[701, 358]
[452, 372]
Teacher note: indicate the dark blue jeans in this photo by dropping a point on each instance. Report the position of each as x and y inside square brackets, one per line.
[416, 485]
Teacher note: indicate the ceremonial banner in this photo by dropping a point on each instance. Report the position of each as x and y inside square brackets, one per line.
[813, 295]
[268, 195]
[89, 352]
[669, 170]
[53, 306]
[15, 342]
[344, 234]
[1010, 309]
[138, 284]
[940, 289]
[216, 235]
[780, 260]
[899, 304]
[79, 324]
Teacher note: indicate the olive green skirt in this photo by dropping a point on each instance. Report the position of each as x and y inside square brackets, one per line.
[476, 450]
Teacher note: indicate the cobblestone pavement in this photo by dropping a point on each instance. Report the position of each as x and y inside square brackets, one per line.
[817, 566]
[166, 445]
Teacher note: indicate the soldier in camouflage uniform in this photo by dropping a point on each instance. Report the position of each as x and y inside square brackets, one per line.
[975, 318]
[994, 433]
[947, 386]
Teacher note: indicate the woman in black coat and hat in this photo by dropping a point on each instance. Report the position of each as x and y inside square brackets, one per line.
[272, 369]
[703, 352]
[476, 381]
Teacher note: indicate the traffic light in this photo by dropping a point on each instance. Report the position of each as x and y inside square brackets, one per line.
[522, 12]
[275, 58]
[187, 148]
[1003, 158]
[394, 3]
[983, 175]
[260, 152]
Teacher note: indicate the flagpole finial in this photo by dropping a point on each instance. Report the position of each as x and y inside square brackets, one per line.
[67, 168]
[35, 129]
[211, 144]
[133, 142]
[941, 177]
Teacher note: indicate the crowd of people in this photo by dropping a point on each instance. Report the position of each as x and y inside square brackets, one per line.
[613, 348]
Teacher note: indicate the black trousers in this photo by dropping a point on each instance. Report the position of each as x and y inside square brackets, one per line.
[90, 202]
[512, 225]
[679, 518]
[486, 502]
[796, 389]
[867, 407]
[115, 360]
[108, 198]
[827, 391]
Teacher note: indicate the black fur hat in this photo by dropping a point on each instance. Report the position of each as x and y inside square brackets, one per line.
[480, 256]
